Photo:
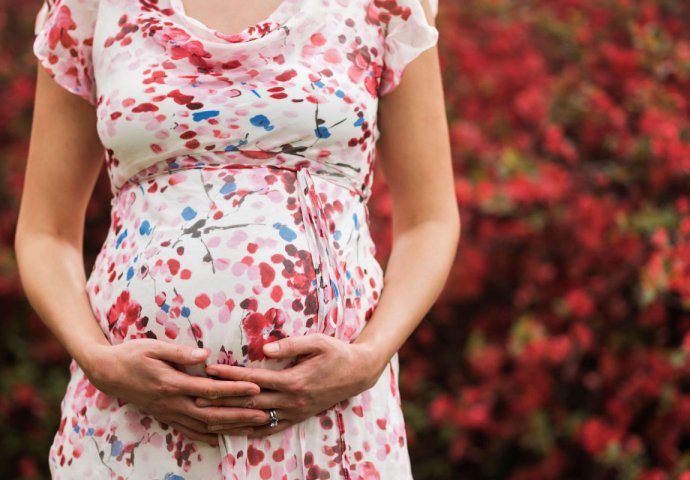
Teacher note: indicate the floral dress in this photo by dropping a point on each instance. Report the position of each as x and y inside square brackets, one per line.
[240, 167]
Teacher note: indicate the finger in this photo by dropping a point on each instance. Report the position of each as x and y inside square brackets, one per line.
[228, 415]
[210, 438]
[173, 352]
[246, 427]
[211, 388]
[186, 407]
[262, 401]
[232, 430]
[187, 421]
[263, 377]
[184, 415]
[297, 345]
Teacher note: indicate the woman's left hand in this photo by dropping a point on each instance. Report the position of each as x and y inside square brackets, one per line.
[329, 371]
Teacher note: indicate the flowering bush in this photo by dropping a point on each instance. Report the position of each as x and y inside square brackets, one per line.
[560, 346]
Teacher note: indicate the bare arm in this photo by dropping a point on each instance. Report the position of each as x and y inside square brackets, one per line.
[415, 156]
[65, 158]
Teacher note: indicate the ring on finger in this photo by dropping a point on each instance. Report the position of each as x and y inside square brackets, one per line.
[273, 416]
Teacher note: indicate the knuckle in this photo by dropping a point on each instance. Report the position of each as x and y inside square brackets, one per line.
[301, 403]
[212, 393]
[163, 387]
[154, 349]
[289, 343]
[298, 386]
[250, 403]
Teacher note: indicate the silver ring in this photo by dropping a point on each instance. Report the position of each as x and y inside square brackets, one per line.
[273, 416]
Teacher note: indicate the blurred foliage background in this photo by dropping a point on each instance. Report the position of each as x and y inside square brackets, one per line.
[559, 348]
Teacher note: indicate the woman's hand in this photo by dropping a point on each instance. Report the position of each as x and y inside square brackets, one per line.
[329, 371]
[138, 372]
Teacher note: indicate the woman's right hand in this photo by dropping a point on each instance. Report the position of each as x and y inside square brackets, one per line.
[140, 371]
[50, 225]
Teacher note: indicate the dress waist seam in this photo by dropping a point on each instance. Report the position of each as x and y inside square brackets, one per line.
[139, 179]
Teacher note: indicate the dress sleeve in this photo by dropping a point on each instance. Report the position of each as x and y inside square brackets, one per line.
[64, 40]
[408, 34]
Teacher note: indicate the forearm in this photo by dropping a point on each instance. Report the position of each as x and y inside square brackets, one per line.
[52, 275]
[415, 274]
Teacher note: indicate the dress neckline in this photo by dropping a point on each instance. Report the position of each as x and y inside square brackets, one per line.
[281, 16]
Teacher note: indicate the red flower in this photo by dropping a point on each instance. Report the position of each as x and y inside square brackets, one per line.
[596, 436]
[123, 313]
[261, 329]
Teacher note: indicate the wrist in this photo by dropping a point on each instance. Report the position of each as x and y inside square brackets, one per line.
[91, 359]
[372, 359]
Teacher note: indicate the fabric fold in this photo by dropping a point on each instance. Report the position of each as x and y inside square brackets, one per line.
[328, 268]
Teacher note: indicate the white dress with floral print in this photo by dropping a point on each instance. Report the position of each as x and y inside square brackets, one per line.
[241, 169]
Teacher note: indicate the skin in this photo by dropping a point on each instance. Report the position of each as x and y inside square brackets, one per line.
[426, 232]
[243, 13]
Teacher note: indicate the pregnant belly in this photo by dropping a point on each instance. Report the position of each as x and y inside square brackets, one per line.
[229, 259]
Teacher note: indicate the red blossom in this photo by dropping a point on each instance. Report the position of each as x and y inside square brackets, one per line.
[262, 328]
[122, 314]
[596, 436]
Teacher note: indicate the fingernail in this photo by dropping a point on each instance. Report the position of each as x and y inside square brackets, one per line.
[198, 353]
[271, 347]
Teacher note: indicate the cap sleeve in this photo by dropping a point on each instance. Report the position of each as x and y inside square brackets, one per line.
[407, 35]
[64, 39]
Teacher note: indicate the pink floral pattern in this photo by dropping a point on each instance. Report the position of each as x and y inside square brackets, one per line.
[241, 168]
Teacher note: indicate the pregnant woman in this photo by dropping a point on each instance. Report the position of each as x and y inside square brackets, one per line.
[235, 323]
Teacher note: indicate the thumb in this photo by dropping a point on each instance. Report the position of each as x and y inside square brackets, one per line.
[293, 346]
[182, 354]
